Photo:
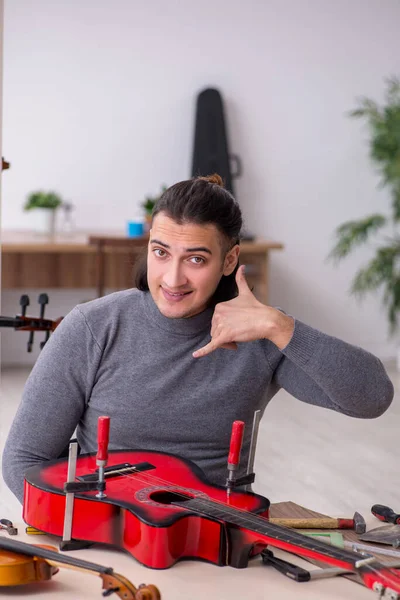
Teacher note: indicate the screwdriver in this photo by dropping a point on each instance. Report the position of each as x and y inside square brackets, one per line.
[386, 514]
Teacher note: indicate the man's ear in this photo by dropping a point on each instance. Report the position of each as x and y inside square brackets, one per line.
[231, 260]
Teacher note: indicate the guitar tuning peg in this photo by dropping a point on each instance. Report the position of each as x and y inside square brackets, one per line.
[24, 302]
[43, 300]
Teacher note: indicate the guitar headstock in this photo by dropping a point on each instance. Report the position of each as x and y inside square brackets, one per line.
[379, 577]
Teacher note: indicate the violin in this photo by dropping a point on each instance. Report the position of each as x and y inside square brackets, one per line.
[22, 563]
[23, 322]
[161, 508]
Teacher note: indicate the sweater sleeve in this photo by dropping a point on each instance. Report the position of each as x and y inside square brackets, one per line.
[53, 400]
[325, 371]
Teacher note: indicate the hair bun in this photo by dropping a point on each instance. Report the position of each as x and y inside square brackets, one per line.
[214, 178]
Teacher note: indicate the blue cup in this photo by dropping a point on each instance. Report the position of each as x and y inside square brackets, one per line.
[134, 229]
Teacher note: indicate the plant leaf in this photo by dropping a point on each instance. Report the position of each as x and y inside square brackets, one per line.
[354, 233]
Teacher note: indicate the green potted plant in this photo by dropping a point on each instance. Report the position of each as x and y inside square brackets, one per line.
[50, 201]
[382, 272]
[148, 204]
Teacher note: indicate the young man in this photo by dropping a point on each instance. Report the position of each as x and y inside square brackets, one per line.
[177, 360]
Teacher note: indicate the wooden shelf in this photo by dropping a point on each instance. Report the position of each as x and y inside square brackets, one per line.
[32, 260]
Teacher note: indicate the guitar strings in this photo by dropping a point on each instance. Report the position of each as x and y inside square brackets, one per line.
[257, 520]
[250, 519]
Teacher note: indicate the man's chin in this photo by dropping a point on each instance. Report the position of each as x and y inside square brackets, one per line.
[178, 312]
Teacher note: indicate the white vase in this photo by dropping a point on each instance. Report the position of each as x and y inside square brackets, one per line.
[51, 222]
[47, 224]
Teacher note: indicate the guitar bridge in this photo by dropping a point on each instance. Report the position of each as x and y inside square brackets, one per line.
[117, 471]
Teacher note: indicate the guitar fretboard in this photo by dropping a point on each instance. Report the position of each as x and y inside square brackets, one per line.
[257, 524]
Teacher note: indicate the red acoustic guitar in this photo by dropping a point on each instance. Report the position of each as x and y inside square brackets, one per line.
[161, 509]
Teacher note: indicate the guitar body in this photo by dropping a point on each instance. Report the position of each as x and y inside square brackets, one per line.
[139, 514]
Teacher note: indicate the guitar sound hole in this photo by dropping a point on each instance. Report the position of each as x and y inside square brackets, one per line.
[167, 497]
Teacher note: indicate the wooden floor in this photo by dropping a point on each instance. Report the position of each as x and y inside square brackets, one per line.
[320, 459]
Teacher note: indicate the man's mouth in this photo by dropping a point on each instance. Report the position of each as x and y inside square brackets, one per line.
[175, 296]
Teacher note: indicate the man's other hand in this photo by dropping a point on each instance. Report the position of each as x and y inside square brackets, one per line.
[245, 319]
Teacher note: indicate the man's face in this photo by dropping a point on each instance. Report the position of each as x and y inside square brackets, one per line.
[184, 265]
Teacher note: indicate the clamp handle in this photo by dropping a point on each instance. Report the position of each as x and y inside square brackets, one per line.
[103, 435]
[235, 445]
[283, 566]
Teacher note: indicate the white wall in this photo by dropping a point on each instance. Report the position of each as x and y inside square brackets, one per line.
[99, 102]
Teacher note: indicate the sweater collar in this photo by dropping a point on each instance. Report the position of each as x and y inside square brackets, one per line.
[188, 327]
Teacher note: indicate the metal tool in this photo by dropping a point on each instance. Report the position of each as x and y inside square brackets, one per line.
[387, 534]
[253, 447]
[234, 453]
[298, 573]
[357, 523]
[103, 435]
[69, 496]
[371, 549]
[8, 526]
[385, 514]
[71, 487]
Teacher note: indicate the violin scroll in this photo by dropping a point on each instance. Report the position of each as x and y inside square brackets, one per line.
[148, 592]
[118, 584]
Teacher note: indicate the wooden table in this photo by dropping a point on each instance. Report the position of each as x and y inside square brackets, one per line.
[191, 580]
[32, 260]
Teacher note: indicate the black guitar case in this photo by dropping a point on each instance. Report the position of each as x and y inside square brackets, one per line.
[211, 152]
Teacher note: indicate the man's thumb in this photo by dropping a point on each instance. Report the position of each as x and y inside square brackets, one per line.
[241, 281]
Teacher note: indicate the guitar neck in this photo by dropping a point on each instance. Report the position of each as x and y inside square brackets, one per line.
[29, 323]
[9, 322]
[275, 535]
[374, 574]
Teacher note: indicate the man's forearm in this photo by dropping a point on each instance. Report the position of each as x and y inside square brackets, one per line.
[350, 379]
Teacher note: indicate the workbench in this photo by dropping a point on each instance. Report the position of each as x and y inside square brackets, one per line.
[192, 580]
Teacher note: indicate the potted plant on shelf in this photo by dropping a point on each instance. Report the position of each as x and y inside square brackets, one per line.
[148, 204]
[383, 270]
[50, 202]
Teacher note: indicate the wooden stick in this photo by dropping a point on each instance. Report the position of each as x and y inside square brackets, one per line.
[315, 523]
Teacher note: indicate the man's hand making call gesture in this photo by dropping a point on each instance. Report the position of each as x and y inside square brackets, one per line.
[245, 319]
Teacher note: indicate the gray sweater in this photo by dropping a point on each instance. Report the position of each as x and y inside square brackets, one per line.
[119, 356]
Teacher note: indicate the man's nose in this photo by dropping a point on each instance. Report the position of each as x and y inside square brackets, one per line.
[175, 276]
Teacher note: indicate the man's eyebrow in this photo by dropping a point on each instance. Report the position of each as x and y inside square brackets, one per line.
[194, 249]
[160, 243]
[199, 249]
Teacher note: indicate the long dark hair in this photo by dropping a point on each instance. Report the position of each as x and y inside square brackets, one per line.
[201, 200]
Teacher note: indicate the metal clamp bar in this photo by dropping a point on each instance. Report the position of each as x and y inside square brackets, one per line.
[253, 445]
[69, 496]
